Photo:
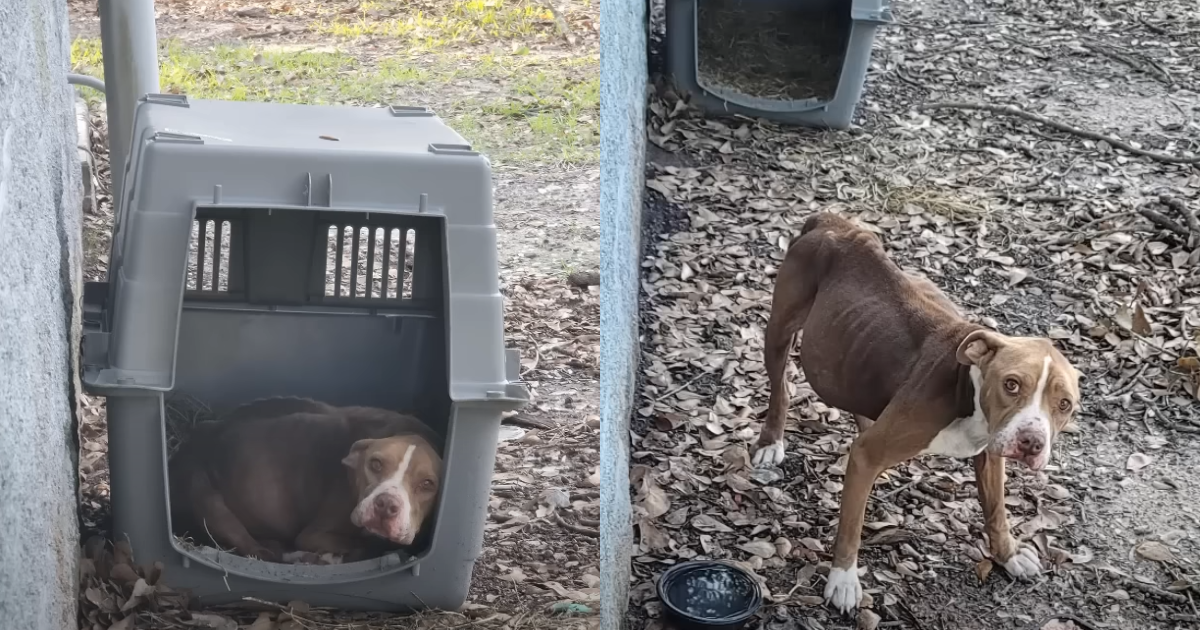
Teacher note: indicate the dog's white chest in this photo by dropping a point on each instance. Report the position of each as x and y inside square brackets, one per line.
[965, 437]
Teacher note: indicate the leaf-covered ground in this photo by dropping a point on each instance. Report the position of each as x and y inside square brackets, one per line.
[1038, 161]
[518, 79]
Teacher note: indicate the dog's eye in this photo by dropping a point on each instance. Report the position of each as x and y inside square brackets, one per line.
[376, 465]
[1064, 405]
[427, 485]
[1011, 385]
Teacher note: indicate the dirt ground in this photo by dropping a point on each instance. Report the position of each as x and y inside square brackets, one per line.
[1039, 161]
[503, 73]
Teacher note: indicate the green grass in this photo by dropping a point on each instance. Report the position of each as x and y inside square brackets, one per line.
[513, 107]
[446, 23]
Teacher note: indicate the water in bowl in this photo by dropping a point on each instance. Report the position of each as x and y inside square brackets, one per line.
[711, 593]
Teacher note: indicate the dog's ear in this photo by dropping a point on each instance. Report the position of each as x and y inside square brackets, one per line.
[978, 346]
[354, 458]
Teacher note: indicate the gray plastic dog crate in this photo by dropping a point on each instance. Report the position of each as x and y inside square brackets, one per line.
[337, 253]
[801, 62]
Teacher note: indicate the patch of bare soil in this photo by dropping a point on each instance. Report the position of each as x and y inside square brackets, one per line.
[539, 567]
[1038, 161]
[549, 221]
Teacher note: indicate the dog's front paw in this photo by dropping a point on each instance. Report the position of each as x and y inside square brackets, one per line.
[331, 558]
[1023, 564]
[770, 454]
[301, 557]
[842, 590]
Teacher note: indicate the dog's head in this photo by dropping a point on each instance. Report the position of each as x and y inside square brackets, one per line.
[397, 481]
[1027, 390]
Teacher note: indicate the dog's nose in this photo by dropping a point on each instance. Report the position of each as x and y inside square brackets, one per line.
[387, 504]
[1031, 444]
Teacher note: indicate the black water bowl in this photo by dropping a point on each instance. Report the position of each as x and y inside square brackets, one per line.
[707, 595]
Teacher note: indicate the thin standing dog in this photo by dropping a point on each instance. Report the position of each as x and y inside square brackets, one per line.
[893, 350]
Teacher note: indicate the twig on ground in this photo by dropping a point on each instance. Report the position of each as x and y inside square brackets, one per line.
[578, 529]
[891, 493]
[1125, 386]
[537, 359]
[1016, 112]
[1142, 65]
[1181, 208]
[529, 422]
[563, 28]
[1108, 217]
[1163, 221]
[1074, 237]
[1065, 289]
[1154, 590]
[676, 390]
[268, 32]
[938, 493]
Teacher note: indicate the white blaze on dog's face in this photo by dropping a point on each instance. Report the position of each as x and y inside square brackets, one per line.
[1028, 392]
[397, 479]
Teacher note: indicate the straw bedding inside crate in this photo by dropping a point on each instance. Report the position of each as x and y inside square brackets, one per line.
[790, 54]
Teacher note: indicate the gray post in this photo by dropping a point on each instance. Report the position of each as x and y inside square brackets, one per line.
[130, 45]
[622, 160]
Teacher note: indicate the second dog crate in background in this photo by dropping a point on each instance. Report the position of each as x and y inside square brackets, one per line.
[795, 61]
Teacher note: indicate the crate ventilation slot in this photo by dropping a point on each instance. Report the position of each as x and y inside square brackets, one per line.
[208, 260]
[369, 262]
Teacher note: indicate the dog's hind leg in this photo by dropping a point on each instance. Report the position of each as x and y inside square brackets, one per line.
[795, 290]
[220, 526]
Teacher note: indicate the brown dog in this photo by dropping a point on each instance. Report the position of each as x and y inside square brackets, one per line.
[892, 349]
[285, 475]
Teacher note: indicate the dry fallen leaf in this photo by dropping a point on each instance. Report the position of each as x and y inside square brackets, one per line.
[1083, 555]
[868, 620]
[1140, 323]
[654, 500]
[1057, 492]
[706, 523]
[760, 548]
[1137, 461]
[1124, 317]
[1016, 275]
[124, 624]
[983, 569]
[1154, 550]
[210, 621]
[651, 537]
[263, 622]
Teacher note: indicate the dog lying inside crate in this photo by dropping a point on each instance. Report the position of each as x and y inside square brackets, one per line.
[296, 480]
